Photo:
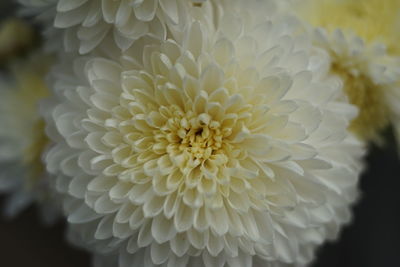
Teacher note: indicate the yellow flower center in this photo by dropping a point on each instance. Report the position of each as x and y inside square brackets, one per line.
[12, 44]
[368, 97]
[30, 90]
[33, 153]
[200, 140]
[197, 4]
[194, 139]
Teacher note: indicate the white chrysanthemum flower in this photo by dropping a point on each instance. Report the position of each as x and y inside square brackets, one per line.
[87, 23]
[362, 39]
[22, 139]
[227, 146]
[371, 80]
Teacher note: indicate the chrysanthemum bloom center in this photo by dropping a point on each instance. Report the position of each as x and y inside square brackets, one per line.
[201, 138]
[197, 4]
[198, 137]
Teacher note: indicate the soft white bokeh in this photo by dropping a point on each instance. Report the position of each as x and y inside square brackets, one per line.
[22, 139]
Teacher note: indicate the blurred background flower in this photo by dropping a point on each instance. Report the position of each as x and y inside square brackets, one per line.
[22, 136]
[362, 38]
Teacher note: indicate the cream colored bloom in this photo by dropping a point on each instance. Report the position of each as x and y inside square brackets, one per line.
[223, 147]
[371, 81]
[22, 137]
[362, 38]
[88, 23]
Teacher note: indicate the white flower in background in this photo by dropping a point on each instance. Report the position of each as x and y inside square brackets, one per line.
[362, 38]
[22, 138]
[42, 12]
[227, 146]
[88, 23]
[371, 80]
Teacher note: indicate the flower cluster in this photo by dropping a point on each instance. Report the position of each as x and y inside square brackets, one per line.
[215, 133]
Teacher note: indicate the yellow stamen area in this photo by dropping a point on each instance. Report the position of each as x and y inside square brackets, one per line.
[23, 101]
[368, 97]
[33, 153]
[16, 36]
[198, 139]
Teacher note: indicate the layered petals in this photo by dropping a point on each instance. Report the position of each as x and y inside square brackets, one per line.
[224, 146]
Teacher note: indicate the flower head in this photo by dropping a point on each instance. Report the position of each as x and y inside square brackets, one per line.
[362, 40]
[22, 137]
[371, 80]
[223, 146]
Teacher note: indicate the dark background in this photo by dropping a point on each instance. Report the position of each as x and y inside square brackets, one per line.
[372, 240]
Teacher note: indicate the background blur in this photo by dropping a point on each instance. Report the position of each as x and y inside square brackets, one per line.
[372, 240]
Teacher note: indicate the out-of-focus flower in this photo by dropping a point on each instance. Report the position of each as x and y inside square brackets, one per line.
[22, 137]
[362, 38]
[371, 81]
[88, 23]
[372, 20]
[226, 146]
[16, 37]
